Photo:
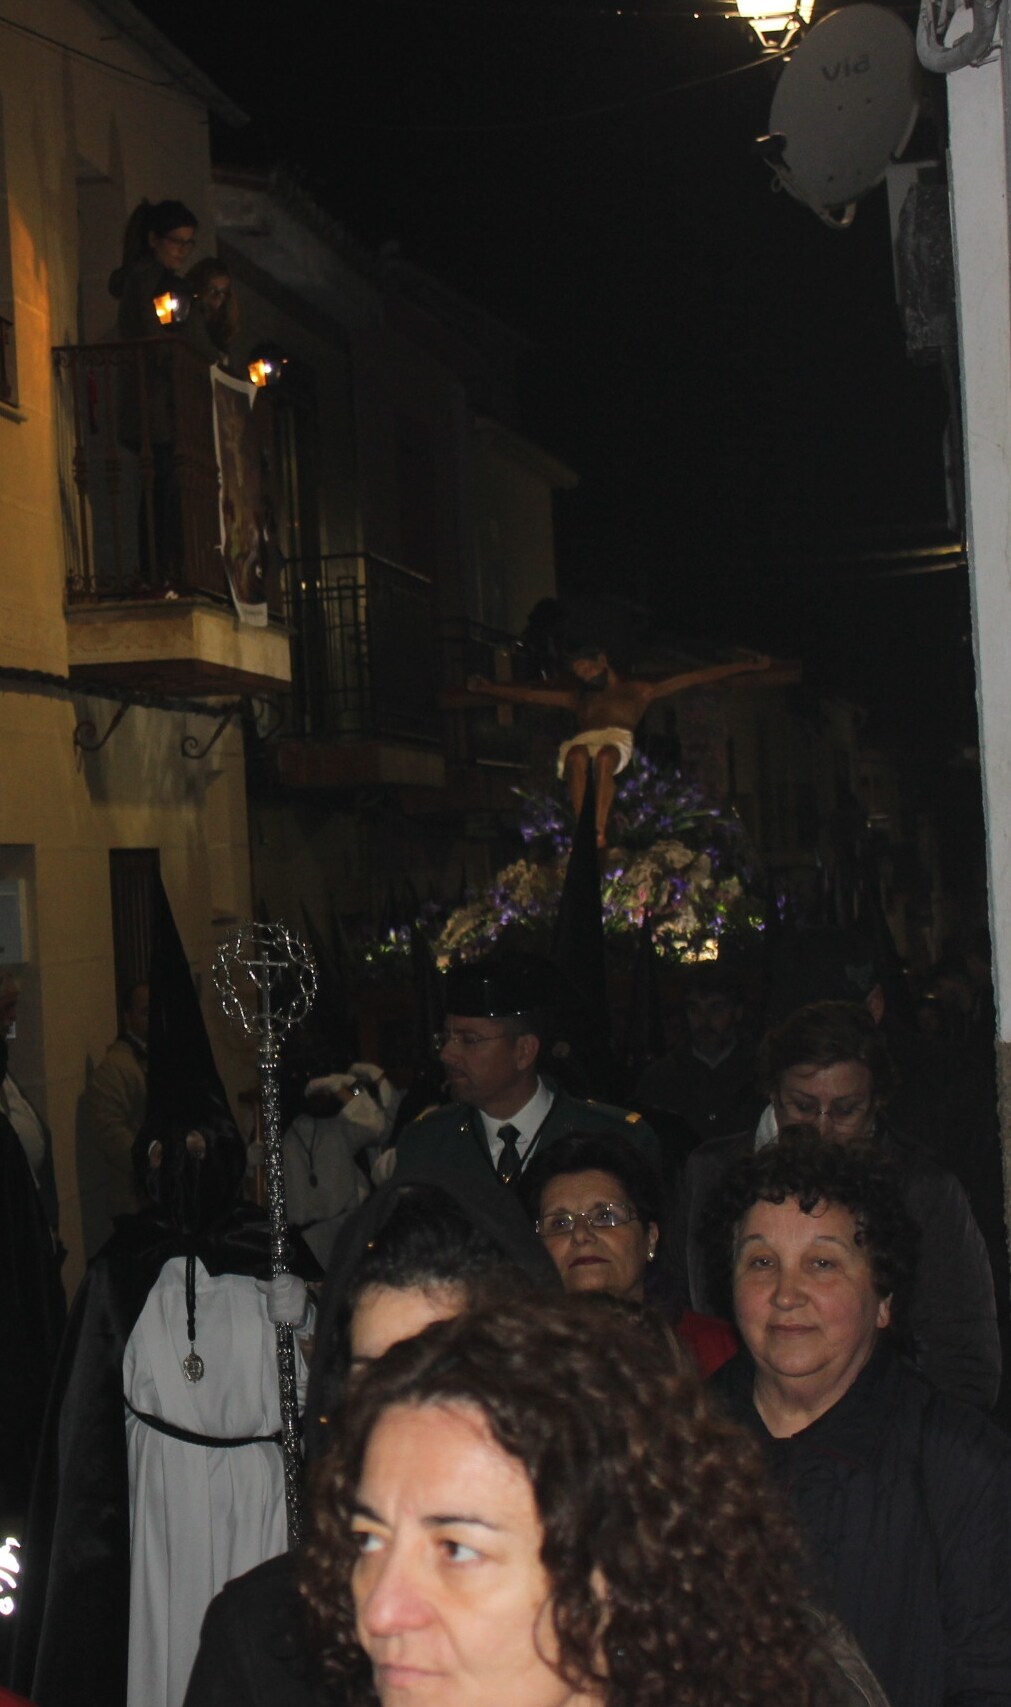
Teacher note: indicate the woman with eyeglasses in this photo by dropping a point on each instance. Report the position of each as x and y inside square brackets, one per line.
[827, 1067]
[215, 305]
[596, 1203]
[158, 245]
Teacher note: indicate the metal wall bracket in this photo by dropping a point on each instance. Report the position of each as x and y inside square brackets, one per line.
[190, 747]
[86, 736]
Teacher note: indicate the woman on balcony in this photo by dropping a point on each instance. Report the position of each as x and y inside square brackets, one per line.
[157, 245]
[214, 319]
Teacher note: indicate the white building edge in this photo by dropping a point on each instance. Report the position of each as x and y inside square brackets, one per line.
[979, 98]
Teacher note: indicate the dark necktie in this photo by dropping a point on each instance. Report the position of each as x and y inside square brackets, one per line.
[509, 1161]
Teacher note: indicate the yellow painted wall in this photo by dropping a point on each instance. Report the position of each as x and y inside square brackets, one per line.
[69, 809]
[80, 146]
[69, 130]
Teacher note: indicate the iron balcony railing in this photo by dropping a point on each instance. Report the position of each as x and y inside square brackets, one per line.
[138, 471]
[484, 733]
[363, 660]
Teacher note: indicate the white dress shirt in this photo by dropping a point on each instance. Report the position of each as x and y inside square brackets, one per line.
[528, 1121]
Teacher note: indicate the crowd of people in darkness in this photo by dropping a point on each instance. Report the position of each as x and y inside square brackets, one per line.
[696, 1400]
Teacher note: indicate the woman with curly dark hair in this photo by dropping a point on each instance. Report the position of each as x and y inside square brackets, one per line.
[902, 1495]
[542, 1510]
[815, 1171]
[423, 1248]
[827, 1067]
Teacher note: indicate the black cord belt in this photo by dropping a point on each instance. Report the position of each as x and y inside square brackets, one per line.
[186, 1434]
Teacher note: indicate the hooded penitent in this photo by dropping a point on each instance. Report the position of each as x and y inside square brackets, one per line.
[192, 1174]
[183, 1081]
[75, 1613]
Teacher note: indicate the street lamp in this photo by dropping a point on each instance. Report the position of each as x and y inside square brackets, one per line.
[774, 24]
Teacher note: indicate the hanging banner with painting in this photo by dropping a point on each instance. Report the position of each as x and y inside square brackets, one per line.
[246, 524]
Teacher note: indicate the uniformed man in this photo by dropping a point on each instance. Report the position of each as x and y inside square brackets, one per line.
[504, 1110]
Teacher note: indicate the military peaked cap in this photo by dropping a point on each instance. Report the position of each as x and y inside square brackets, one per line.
[502, 984]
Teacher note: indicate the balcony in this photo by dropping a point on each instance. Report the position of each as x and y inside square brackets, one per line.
[370, 667]
[148, 602]
[479, 732]
[364, 673]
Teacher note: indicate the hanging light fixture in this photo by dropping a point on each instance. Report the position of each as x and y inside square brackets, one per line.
[774, 24]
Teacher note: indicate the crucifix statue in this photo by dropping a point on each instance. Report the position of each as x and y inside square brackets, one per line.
[608, 708]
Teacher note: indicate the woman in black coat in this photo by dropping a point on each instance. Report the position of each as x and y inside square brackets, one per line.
[423, 1248]
[902, 1495]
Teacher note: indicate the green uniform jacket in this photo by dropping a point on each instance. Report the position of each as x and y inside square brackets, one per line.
[457, 1131]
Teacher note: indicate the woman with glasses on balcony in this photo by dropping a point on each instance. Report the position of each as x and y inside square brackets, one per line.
[215, 307]
[158, 245]
[827, 1067]
[597, 1204]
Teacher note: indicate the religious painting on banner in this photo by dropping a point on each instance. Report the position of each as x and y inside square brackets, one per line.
[246, 512]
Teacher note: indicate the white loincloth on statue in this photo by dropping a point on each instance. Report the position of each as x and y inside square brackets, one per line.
[593, 740]
[199, 1515]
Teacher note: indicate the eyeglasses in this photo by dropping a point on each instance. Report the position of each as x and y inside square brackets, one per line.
[464, 1039]
[563, 1221]
[184, 243]
[842, 1113]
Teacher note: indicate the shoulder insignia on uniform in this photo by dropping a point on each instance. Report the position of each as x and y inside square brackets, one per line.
[610, 1109]
[630, 1119]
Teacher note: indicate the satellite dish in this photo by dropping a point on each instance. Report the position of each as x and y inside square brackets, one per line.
[845, 106]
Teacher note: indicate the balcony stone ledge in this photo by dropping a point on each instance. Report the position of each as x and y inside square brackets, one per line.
[183, 646]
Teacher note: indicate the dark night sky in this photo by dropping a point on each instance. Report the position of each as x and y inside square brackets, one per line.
[727, 375]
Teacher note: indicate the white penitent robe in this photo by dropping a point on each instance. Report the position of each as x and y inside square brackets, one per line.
[199, 1515]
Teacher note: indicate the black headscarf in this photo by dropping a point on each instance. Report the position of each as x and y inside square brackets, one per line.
[494, 1213]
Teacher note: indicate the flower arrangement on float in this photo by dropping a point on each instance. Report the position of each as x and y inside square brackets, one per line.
[672, 855]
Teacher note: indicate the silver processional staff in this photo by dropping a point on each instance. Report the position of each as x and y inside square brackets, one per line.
[266, 979]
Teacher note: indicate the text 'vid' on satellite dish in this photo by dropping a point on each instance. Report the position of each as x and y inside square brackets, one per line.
[844, 108]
